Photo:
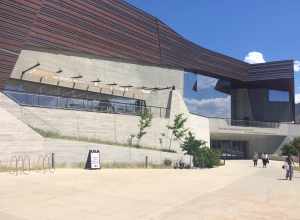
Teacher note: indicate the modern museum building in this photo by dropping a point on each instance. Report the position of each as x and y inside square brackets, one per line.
[77, 74]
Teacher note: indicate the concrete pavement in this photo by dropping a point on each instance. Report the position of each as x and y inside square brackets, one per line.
[236, 191]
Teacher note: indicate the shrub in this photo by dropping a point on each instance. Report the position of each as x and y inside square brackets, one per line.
[203, 156]
[288, 149]
[167, 162]
[207, 158]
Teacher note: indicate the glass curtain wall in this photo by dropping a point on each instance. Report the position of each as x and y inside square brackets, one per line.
[207, 96]
[32, 94]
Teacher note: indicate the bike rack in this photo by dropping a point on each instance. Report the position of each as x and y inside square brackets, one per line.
[25, 159]
[13, 160]
[21, 164]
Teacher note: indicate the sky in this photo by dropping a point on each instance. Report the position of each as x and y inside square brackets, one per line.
[254, 31]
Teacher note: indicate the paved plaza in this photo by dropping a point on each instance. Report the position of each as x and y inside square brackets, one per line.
[235, 191]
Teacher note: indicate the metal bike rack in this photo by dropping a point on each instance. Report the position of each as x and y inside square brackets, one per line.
[22, 164]
[26, 161]
[13, 163]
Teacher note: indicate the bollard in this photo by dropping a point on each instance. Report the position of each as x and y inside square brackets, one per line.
[53, 161]
[146, 162]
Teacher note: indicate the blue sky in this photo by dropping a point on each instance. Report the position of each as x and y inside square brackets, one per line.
[235, 27]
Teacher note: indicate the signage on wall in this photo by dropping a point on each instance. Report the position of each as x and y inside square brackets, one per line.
[93, 161]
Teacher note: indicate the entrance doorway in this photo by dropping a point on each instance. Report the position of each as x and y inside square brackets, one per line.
[231, 150]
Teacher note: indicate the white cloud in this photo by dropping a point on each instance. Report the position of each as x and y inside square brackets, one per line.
[296, 65]
[254, 57]
[297, 98]
[214, 107]
[204, 82]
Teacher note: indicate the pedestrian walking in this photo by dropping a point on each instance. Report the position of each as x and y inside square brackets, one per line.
[255, 159]
[263, 159]
[289, 163]
[267, 159]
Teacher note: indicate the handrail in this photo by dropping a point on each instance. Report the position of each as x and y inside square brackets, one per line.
[248, 123]
[99, 106]
[114, 102]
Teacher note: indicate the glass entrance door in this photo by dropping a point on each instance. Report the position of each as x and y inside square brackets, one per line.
[231, 149]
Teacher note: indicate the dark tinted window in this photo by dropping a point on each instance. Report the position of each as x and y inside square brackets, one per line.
[278, 96]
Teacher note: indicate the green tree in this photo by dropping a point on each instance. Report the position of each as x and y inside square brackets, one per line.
[144, 122]
[202, 155]
[191, 145]
[178, 130]
[288, 149]
[296, 144]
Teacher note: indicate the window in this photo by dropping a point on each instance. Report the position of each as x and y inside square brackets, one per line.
[278, 96]
[31, 94]
[207, 96]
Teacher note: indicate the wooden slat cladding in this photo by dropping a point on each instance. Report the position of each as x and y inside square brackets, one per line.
[116, 30]
[100, 28]
[16, 17]
[177, 51]
[271, 71]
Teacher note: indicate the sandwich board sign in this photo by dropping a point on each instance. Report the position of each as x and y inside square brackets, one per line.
[93, 160]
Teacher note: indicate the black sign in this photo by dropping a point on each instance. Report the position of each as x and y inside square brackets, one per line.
[93, 160]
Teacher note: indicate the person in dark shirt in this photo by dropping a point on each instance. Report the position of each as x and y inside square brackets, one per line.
[255, 159]
[290, 169]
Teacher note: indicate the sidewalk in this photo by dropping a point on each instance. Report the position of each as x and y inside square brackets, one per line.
[236, 191]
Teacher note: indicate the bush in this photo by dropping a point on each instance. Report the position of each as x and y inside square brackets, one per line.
[167, 162]
[203, 156]
[288, 149]
[207, 158]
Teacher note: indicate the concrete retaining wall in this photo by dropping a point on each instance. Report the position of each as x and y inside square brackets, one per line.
[74, 152]
[16, 137]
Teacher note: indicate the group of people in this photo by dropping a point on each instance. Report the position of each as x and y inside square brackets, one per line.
[264, 157]
[288, 164]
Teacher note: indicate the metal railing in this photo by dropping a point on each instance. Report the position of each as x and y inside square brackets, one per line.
[248, 123]
[91, 105]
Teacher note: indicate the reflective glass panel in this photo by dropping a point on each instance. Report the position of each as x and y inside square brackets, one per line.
[207, 96]
[278, 96]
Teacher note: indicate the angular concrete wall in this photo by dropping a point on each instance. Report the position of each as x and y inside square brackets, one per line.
[17, 138]
[107, 71]
[113, 128]
[198, 125]
[74, 152]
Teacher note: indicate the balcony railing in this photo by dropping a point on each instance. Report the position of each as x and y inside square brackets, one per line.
[91, 105]
[248, 123]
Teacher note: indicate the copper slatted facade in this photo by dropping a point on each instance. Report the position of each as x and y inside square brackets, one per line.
[176, 51]
[271, 71]
[113, 29]
[16, 18]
